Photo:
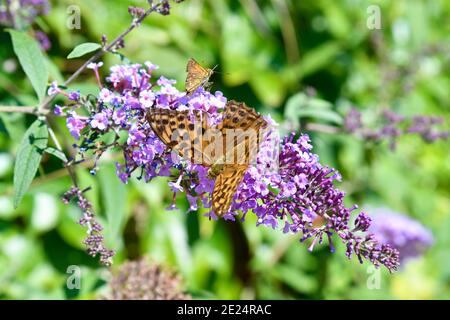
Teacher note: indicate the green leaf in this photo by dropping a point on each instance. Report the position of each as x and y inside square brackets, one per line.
[14, 125]
[28, 158]
[57, 153]
[82, 49]
[295, 278]
[321, 114]
[54, 72]
[268, 87]
[113, 196]
[314, 60]
[294, 103]
[301, 106]
[32, 61]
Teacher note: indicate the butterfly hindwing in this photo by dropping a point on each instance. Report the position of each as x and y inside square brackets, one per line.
[225, 187]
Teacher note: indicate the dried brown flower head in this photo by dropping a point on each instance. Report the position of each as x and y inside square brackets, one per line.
[143, 280]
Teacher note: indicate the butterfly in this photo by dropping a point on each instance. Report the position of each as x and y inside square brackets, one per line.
[197, 76]
[226, 149]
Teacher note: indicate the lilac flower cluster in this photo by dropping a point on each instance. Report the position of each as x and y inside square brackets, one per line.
[302, 196]
[393, 125]
[163, 7]
[409, 236]
[94, 240]
[22, 13]
[294, 192]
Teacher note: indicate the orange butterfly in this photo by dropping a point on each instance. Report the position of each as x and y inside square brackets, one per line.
[227, 149]
[197, 76]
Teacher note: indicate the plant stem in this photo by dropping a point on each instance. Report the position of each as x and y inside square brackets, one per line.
[318, 127]
[44, 107]
[136, 22]
[19, 109]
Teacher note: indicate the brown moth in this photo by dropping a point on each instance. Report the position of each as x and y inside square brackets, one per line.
[227, 150]
[197, 76]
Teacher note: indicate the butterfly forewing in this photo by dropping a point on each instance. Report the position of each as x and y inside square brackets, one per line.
[181, 131]
[242, 129]
[197, 76]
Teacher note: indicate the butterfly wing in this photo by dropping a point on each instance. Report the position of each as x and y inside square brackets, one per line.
[196, 75]
[225, 187]
[181, 131]
[247, 127]
[239, 120]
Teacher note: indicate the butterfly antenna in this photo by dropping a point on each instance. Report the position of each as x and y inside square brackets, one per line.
[225, 73]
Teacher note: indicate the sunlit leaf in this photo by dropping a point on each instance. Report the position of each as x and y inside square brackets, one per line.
[302, 106]
[28, 158]
[83, 49]
[114, 196]
[57, 153]
[32, 61]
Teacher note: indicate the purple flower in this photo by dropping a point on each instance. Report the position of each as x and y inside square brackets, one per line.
[192, 202]
[176, 186]
[75, 125]
[135, 136]
[53, 89]
[260, 187]
[105, 95]
[126, 77]
[94, 241]
[100, 121]
[362, 222]
[352, 120]
[123, 176]
[205, 101]
[94, 65]
[147, 98]
[391, 126]
[287, 187]
[58, 110]
[150, 66]
[74, 95]
[119, 116]
[392, 117]
[43, 40]
[400, 231]
[22, 12]
[164, 82]
[307, 202]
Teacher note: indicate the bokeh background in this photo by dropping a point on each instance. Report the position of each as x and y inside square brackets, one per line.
[267, 52]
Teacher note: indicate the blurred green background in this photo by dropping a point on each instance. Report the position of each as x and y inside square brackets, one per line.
[267, 51]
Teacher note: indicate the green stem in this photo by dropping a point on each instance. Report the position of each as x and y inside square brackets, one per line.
[19, 109]
[46, 103]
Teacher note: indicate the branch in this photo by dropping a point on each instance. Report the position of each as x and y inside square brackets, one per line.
[136, 22]
[19, 109]
[318, 127]
[44, 108]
